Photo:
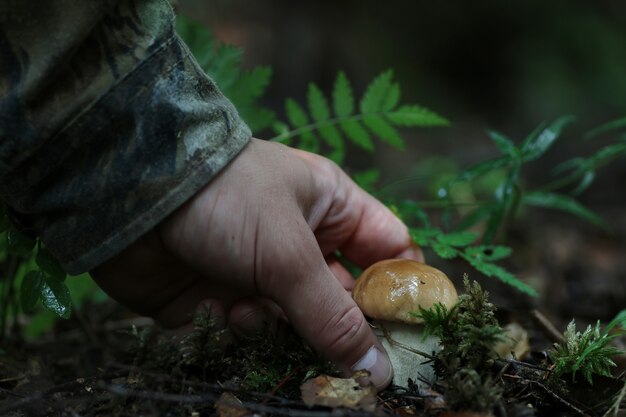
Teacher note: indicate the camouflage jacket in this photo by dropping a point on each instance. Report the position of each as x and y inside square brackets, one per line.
[107, 124]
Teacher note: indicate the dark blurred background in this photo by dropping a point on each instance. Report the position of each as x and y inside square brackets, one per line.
[505, 65]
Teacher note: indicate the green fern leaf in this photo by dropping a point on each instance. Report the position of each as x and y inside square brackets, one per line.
[223, 66]
[413, 115]
[376, 96]
[357, 134]
[495, 271]
[392, 98]
[318, 106]
[343, 99]
[444, 251]
[296, 115]
[298, 118]
[384, 130]
[488, 252]
[250, 86]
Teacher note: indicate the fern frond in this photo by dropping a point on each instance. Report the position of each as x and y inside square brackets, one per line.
[320, 111]
[412, 115]
[343, 98]
[384, 130]
[378, 114]
[299, 119]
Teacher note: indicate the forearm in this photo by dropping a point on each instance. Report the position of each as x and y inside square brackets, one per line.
[107, 124]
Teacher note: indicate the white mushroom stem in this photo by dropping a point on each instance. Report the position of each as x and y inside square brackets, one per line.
[403, 343]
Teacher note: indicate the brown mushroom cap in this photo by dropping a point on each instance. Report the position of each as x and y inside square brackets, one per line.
[393, 288]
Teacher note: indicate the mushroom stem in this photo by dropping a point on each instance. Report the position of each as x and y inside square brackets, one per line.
[409, 351]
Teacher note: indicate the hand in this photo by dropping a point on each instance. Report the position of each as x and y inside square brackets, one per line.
[256, 243]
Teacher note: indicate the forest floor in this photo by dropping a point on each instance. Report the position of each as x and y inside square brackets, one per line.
[105, 361]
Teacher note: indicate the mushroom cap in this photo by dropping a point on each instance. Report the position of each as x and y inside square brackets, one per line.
[394, 288]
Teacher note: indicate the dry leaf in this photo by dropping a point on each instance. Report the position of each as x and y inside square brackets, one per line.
[338, 392]
[515, 342]
[230, 406]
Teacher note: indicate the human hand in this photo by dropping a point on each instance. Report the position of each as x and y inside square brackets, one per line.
[257, 243]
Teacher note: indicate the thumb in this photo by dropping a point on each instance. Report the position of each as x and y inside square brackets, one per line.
[321, 310]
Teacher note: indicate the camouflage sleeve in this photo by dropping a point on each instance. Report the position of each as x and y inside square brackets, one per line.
[107, 124]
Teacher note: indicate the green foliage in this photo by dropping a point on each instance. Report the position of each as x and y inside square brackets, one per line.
[508, 194]
[588, 352]
[335, 119]
[481, 257]
[223, 63]
[468, 333]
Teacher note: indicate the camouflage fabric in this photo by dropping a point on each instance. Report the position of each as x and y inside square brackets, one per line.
[107, 124]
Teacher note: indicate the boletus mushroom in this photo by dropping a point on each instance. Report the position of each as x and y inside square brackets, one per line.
[388, 292]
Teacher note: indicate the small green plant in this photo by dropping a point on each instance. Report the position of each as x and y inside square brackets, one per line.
[588, 352]
[31, 274]
[468, 333]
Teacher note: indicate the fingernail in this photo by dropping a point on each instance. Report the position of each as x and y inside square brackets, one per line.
[377, 363]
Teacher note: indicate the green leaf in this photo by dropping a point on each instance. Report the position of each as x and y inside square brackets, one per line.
[445, 251]
[56, 297]
[618, 320]
[376, 96]
[298, 118]
[296, 115]
[507, 202]
[250, 86]
[30, 291]
[49, 264]
[504, 144]
[563, 203]
[488, 253]
[282, 132]
[318, 105]
[357, 134]
[458, 239]
[495, 271]
[423, 237]
[413, 115]
[539, 142]
[391, 98]
[484, 168]
[343, 99]
[607, 127]
[384, 130]
[586, 180]
[18, 243]
[320, 111]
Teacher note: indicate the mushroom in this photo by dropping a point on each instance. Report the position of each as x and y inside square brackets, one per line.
[388, 292]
